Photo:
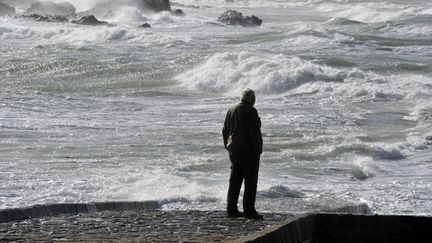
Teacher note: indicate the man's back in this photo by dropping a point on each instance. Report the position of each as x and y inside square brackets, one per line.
[242, 130]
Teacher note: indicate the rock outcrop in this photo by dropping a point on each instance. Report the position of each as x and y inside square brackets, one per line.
[145, 25]
[178, 12]
[48, 8]
[90, 20]
[6, 10]
[232, 17]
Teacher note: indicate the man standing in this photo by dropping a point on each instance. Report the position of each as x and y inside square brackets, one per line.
[243, 140]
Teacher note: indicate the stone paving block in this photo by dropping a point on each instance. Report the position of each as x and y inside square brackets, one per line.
[131, 206]
[119, 206]
[105, 206]
[36, 212]
[327, 222]
[292, 232]
[421, 224]
[302, 226]
[91, 207]
[137, 206]
[375, 222]
[363, 223]
[3, 218]
[362, 237]
[310, 225]
[342, 236]
[24, 213]
[325, 236]
[395, 226]
[11, 215]
[48, 211]
[281, 235]
[70, 208]
[81, 207]
[122, 206]
[149, 205]
[347, 221]
[27, 212]
[55, 209]
[140, 205]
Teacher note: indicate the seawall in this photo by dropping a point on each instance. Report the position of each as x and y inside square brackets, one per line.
[40, 211]
[348, 228]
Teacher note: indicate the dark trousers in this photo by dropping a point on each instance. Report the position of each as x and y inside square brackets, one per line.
[243, 168]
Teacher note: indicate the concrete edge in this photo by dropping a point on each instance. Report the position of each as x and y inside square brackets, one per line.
[39, 211]
[299, 228]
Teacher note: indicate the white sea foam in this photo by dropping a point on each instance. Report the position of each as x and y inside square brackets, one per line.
[246, 3]
[368, 12]
[232, 72]
[422, 111]
[280, 191]
[29, 32]
[274, 74]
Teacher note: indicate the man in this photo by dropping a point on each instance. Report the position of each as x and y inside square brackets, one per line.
[243, 140]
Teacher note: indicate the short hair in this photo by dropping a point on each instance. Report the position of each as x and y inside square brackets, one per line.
[248, 95]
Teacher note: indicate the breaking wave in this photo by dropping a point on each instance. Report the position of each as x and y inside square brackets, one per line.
[229, 73]
[232, 72]
[52, 33]
[280, 191]
[376, 152]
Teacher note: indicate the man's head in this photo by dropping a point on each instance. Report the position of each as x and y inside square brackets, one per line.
[248, 96]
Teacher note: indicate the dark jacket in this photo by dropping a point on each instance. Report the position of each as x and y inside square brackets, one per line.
[242, 130]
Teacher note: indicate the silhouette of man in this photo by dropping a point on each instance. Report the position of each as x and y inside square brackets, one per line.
[243, 140]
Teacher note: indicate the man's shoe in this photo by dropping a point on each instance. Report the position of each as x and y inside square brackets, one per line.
[254, 216]
[236, 215]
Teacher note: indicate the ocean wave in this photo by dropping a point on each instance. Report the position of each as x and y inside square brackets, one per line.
[229, 73]
[422, 111]
[232, 72]
[343, 21]
[377, 152]
[287, 3]
[247, 3]
[67, 33]
[368, 12]
[51, 8]
[56, 6]
[363, 167]
[280, 191]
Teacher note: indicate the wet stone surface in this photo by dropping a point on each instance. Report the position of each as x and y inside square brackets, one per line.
[156, 225]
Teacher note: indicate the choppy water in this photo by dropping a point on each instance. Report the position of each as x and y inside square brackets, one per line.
[123, 113]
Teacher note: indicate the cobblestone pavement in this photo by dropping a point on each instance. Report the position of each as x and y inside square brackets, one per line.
[137, 226]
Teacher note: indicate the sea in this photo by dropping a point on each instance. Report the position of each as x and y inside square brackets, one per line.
[123, 113]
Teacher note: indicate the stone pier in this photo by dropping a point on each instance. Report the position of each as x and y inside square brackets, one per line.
[146, 222]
